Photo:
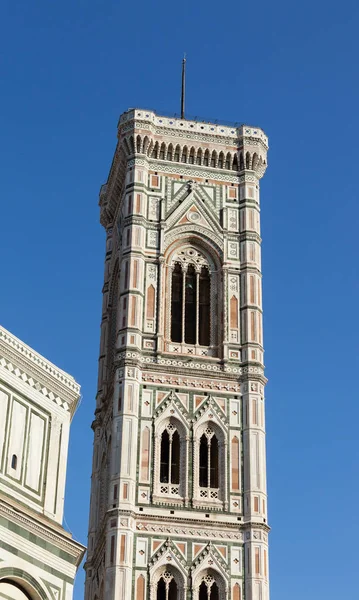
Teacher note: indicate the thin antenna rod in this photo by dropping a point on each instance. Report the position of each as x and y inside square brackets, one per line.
[183, 86]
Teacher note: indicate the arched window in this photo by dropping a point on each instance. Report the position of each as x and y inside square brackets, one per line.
[170, 152]
[167, 587]
[170, 456]
[171, 462]
[176, 304]
[190, 306]
[204, 307]
[14, 462]
[191, 301]
[208, 460]
[208, 590]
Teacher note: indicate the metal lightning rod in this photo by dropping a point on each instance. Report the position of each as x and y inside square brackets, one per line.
[183, 86]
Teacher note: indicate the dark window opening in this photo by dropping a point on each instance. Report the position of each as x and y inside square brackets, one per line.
[166, 591]
[191, 306]
[175, 458]
[214, 463]
[214, 591]
[203, 462]
[14, 461]
[176, 305]
[170, 458]
[161, 590]
[208, 462]
[165, 453]
[204, 307]
[172, 590]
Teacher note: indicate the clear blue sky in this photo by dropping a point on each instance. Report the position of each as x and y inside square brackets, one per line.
[68, 69]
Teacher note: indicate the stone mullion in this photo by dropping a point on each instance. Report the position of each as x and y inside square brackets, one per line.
[195, 469]
[186, 482]
[197, 307]
[208, 466]
[225, 474]
[184, 272]
[225, 312]
[170, 462]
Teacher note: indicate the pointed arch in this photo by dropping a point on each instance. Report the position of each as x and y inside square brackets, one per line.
[206, 158]
[191, 156]
[171, 457]
[228, 164]
[241, 162]
[209, 584]
[248, 160]
[177, 155]
[184, 154]
[146, 141]
[140, 588]
[162, 151]
[199, 156]
[235, 163]
[138, 144]
[170, 152]
[167, 583]
[155, 150]
[127, 146]
[221, 160]
[236, 592]
[214, 159]
[132, 144]
[254, 161]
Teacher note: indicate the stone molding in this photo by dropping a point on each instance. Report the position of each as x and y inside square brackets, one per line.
[61, 539]
[37, 372]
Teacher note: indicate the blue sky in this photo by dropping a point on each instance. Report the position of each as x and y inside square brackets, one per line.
[68, 70]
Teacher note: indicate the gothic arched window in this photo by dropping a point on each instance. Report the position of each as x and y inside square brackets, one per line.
[208, 592]
[167, 587]
[210, 466]
[208, 460]
[190, 299]
[170, 477]
[170, 456]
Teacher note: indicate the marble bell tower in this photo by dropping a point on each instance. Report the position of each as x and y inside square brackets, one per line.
[178, 498]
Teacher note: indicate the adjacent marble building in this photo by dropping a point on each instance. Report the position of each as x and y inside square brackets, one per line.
[178, 500]
[38, 558]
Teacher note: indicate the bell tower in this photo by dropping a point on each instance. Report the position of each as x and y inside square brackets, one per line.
[178, 499]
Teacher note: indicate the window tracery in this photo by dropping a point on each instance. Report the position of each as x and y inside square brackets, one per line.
[209, 585]
[171, 462]
[190, 298]
[167, 583]
[210, 464]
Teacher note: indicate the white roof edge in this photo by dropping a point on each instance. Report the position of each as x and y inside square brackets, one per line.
[39, 363]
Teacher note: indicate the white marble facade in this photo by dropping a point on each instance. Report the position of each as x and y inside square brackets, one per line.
[38, 558]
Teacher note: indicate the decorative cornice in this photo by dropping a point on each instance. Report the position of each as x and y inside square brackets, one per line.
[220, 133]
[59, 537]
[37, 372]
